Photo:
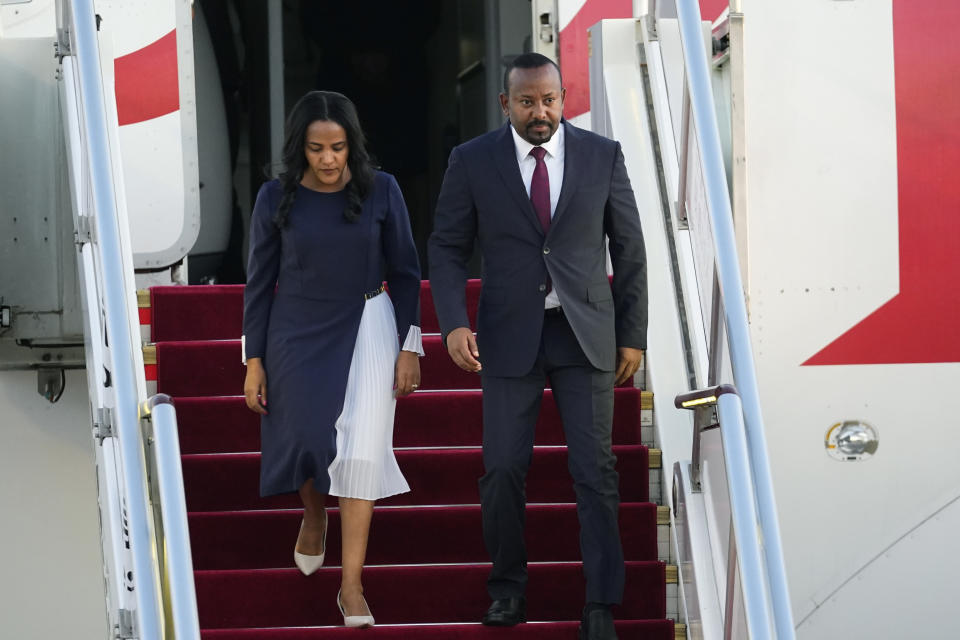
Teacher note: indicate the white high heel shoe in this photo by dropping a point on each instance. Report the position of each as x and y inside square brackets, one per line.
[355, 622]
[307, 563]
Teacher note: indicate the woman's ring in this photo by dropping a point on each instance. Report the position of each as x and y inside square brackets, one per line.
[414, 386]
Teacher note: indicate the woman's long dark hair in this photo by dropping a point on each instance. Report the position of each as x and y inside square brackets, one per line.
[332, 107]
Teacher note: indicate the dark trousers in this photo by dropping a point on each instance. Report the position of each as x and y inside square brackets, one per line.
[584, 396]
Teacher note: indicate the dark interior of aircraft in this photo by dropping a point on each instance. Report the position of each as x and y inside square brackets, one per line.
[417, 72]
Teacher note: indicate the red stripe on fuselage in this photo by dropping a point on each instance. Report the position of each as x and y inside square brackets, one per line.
[920, 323]
[147, 81]
[711, 9]
[574, 50]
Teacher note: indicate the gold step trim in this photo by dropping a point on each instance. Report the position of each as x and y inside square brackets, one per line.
[149, 354]
[143, 298]
[646, 400]
[663, 515]
[654, 458]
[673, 574]
[679, 631]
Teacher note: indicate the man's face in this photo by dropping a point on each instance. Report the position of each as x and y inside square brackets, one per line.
[535, 102]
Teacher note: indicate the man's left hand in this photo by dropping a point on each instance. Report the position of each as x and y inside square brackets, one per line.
[628, 361]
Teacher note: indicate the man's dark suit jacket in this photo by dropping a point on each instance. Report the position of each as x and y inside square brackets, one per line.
[483, 198]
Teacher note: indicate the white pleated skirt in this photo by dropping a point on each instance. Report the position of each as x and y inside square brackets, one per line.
[365, 466]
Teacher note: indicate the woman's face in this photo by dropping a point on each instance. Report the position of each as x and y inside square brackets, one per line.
[326, 151]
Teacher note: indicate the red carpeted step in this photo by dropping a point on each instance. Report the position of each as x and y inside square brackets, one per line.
[409, 594]
[265, 539]
[230, 482]
[203, 312]
[428, 314]
[201, 368]
[626, 630]
[214, 368]
[215, 312]
[425, 419]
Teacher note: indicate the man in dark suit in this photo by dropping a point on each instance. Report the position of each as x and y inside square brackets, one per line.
[540, 197]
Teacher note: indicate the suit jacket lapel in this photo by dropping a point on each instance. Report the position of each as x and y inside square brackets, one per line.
[506, 161]
[571, 170]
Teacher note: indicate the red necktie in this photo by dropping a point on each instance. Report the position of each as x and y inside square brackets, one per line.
[540, 189]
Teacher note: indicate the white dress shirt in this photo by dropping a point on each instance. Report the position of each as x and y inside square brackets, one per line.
[554, 161]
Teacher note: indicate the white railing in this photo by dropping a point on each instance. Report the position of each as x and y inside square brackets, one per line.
[758, 553]
[166, 490]
[138, 581]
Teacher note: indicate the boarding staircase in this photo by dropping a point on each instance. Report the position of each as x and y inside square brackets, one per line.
[426, 565]
[191, 549]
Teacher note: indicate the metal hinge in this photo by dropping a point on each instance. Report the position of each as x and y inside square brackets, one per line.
[125, 629]
[103, 424]
[61, 47]
[649, 22]
[85, 229]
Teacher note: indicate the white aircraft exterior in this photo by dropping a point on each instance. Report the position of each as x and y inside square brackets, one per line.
[838, 120]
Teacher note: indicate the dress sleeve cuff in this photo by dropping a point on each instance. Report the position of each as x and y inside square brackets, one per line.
[243, 349]
[414, 341]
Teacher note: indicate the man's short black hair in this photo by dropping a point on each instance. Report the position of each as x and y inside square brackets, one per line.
[528, 61]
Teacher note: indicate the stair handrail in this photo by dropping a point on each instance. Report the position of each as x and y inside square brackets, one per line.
[112, 295]
[703, 113]
[110, 281]
[167, 491]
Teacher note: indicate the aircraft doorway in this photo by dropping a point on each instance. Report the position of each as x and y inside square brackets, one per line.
[424, 76]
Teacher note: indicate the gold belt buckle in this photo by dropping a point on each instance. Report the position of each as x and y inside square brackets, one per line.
[374, 293]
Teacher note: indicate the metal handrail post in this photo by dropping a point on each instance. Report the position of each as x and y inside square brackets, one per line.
[169, 478]
[97, 145]
[743, 514]
[735, 311]
[730, 593]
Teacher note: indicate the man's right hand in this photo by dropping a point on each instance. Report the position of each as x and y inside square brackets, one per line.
[462, 346]
[255, 386]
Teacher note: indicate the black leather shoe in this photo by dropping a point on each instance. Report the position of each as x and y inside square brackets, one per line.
[597, 625]
[506, 612]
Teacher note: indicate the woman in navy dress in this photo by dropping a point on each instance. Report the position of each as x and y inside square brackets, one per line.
[322, 335]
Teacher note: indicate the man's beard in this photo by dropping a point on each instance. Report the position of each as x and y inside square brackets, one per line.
[542, 136]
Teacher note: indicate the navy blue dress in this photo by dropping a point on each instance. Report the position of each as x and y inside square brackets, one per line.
[302, 308]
